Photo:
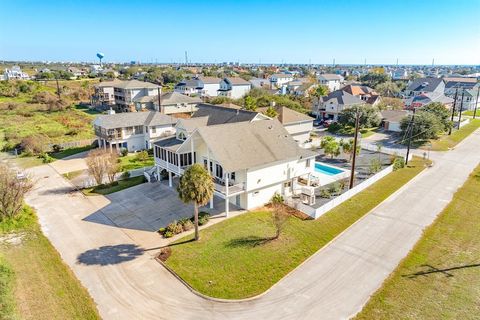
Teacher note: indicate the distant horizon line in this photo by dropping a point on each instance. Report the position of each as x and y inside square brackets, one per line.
[139, 62]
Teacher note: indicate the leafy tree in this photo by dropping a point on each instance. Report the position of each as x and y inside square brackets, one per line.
[279, 214]
[271, 112]
[320, 91]
[250, 104]
[112, 166]
[426, 126]
[387, 89]
[388, 103]
[347, 147]
[375, 165]
[330, 146]
[372, 79]
[196, 185]
[12, 192]
[369, 116]
[441, 112]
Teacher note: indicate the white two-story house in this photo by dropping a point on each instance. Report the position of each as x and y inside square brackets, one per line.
[278, 80]
[234, 88]
[250, 156]
[330, 106]
[133, 131]
[332, 81]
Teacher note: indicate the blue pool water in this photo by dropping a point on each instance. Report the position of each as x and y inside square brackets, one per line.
[330, 171]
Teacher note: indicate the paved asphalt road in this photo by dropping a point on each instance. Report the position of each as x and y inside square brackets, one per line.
[335, 283]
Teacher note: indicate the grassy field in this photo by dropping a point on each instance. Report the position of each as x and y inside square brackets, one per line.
[72, 175]
[445, 142]
[131, 162]
[34, 282]
[106, 189]
[470, 113]
[70, 152]
[234, 259]
[440, 278]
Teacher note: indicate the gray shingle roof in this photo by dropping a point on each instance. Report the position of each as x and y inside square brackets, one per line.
[170, 98]
[237, 81]
[330, 76]
[425, 84]
[129, 119]
[246, 145]
[220, 115]
[341, 97]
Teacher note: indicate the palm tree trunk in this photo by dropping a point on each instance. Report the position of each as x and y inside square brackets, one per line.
[195, 215]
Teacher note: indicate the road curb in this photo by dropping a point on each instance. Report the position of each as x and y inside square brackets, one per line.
[206, 297]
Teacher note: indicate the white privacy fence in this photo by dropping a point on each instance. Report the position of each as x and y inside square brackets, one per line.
[318, 212]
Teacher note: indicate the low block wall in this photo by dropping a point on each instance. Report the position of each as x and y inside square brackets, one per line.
[318, 212]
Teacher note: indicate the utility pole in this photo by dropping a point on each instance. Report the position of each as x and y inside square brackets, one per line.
[461, 108]
[159, 99]
[412, 123]
[453, 110]
[476, 104]
[352, 171]
[58, 86]
[186, 58]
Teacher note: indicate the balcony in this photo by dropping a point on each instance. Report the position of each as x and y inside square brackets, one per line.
[233, 188]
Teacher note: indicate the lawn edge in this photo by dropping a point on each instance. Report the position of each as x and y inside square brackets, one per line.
[255, 297]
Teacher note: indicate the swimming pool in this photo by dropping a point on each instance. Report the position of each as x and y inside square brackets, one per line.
[328, 170]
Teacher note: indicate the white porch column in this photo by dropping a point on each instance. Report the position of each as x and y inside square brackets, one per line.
[178, 162]
[191, 146]
[158, 172]
[111, 149]
[208, 169]
[227, 206]
[170, 184]
[104, 144]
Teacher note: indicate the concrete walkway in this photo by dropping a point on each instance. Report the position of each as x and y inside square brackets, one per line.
[335, 283]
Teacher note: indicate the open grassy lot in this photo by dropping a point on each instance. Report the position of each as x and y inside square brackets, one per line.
[34, 282]
[440, 278]
[446, 142]
[234, 259]
[132, 161]
[69, 152]
[120, 185]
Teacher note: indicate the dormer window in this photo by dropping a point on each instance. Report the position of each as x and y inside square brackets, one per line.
[182, 136]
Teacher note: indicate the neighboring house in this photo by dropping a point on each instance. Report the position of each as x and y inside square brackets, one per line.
[391, 119]
[330, 106]
[15, 73]
[332, 81]
[297, 124]
[250, 161]
[423, 99]
[234, 88]
[76, 72]
[424, 85]
[277, 80]
[423, 91]
[171, 103]
[365, 93]
[399, 74]
[202, 86]
[259, 83]
[133, 131]
[125, 93]
[470, 96]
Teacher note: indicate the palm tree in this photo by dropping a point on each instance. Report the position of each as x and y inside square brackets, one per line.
[196, 185]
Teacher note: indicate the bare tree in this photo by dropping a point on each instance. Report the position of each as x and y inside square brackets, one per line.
[279, 214]
[97, 162]
[112, 166]
[12, 191]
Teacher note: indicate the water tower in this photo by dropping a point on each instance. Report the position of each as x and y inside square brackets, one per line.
[100, 57]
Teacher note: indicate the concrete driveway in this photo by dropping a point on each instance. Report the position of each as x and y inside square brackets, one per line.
[334, 283]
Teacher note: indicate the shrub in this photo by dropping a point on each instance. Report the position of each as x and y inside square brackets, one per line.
[398, 163]
[125, 175]
[324, 193]
[46, 158]
[124, 152]
[335, 188]
[174, 227]
[375, 165]
[161, 230]
[168, 234]
[187, 225]
[203, 218]
[57, 148]
[334, 127]
[34, 145]
[142, 156]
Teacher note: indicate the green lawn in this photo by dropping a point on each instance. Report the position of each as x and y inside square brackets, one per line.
[233, 260]
[418, 288]
[34, 281]
[470, 113]
[107, 189]
[446, 142]
[70, 152]
[72, 175]
[131, 162]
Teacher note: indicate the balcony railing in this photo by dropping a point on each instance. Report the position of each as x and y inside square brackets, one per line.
[233, 188]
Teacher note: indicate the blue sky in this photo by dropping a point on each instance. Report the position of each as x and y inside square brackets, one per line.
[245, 31]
